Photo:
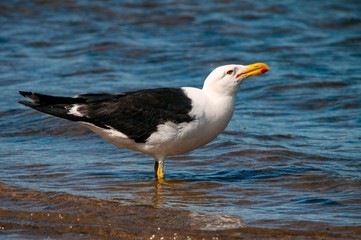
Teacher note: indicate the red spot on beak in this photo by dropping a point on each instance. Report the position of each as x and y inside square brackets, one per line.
[263, 70]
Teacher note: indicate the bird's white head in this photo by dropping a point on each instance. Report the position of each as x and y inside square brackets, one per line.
[226, 79]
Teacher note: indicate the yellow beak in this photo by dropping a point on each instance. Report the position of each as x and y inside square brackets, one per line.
[254, 69]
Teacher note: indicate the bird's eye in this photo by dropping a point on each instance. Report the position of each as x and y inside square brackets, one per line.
[229, 72]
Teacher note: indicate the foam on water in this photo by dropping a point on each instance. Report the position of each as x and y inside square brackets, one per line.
[291, 151]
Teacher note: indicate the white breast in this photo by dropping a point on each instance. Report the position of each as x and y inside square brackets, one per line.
[211, 115]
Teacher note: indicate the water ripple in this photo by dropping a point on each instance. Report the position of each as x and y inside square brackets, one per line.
[290, 152]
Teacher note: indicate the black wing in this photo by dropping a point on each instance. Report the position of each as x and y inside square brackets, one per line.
[135, 114]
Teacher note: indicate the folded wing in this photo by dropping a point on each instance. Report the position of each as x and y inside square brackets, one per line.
[135, 114]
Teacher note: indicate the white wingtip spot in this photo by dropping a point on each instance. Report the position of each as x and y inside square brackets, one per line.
[75, 111]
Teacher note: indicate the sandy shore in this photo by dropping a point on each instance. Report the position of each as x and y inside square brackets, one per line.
[30, 214]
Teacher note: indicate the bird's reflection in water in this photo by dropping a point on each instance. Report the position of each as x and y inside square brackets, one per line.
[164, 187]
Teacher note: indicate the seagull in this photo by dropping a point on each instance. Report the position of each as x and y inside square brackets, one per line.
[159, 122]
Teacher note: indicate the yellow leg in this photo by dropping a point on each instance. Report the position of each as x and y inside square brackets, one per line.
[158, 169]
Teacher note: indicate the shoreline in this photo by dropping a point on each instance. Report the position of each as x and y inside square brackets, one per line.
[33, 214]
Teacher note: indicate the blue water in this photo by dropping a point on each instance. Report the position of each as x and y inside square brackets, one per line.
[291, 152]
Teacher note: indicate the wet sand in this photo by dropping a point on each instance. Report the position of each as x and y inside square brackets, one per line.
[287, 166]
[30, 214]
